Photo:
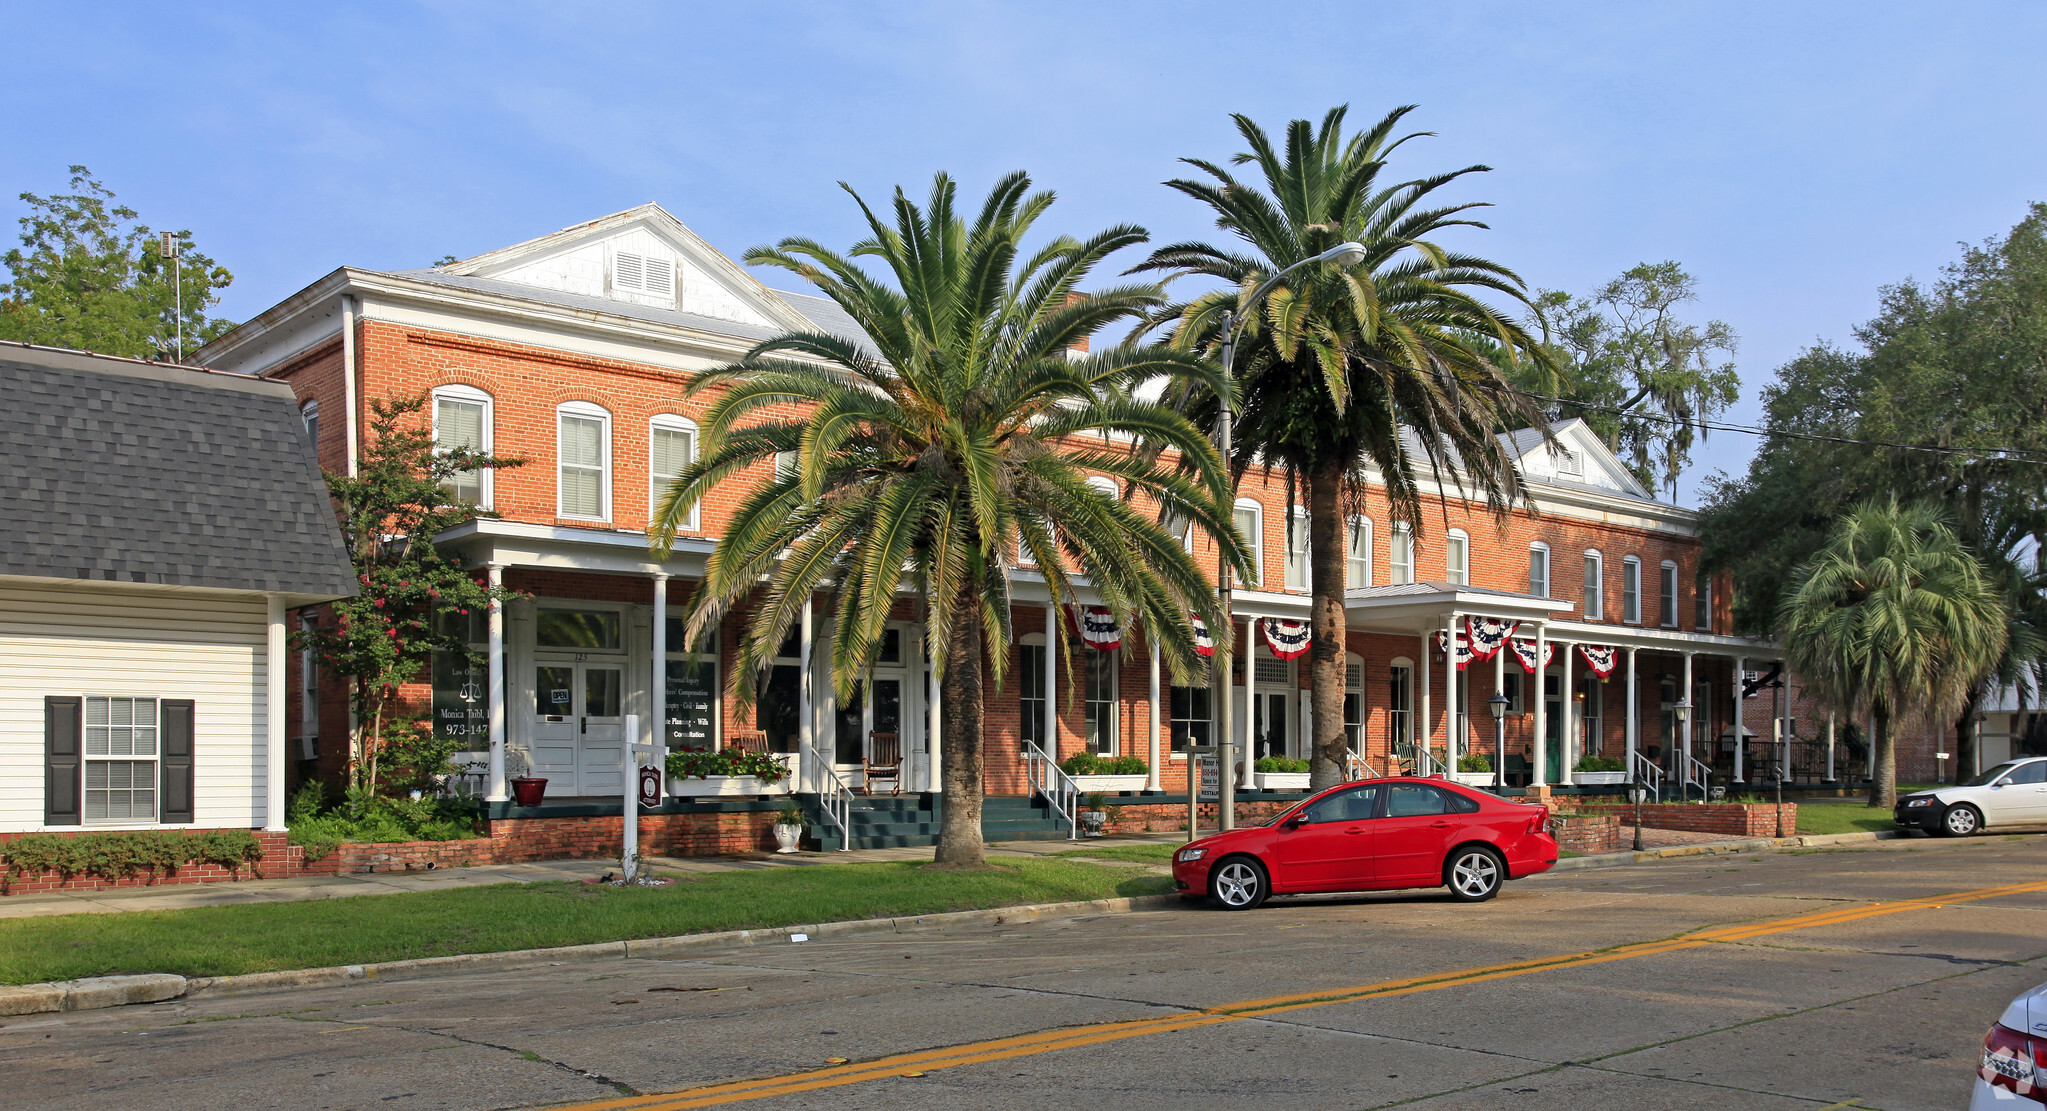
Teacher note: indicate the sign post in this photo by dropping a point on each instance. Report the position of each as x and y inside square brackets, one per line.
[1204, 784]
[629, 797]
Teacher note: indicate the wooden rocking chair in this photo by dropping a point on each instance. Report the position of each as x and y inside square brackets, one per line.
[884, 761]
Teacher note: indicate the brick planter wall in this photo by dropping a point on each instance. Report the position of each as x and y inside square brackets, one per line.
[1168, 817]
[279, 860]
[1735, 819]
[1589, 833]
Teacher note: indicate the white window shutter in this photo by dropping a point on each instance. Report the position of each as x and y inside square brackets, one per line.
[629, 272]
[660, 276]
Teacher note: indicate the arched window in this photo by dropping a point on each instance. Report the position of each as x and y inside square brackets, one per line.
[1400, 706]
[462, 421]
[1354, 701]
[1631, 590]
[310, 414]
[1250, 519]
[1456, 557]
[1538, 569]
[583, 468]
[1595, 585]
[1358, 561]
[671, 446]
[1030, 690]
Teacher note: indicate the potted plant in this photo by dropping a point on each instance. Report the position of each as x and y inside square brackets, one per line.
[1105, 773]
[1474, 769]
[527, 790]
[1280, 773]
[1095, 816]
[788, 827]
[697, 772]
[1594, 771]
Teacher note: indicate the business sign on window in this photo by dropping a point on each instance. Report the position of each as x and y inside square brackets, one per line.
[461, 703]
[692, 704]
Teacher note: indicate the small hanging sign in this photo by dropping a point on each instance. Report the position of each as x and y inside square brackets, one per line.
[1096, 627]
[1524, 651]
[1488, 635]
[1204, 644]
[650, 787]
[1287, 639]
[1600, 660]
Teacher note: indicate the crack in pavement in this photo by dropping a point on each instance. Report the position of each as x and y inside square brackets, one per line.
[618, 1086]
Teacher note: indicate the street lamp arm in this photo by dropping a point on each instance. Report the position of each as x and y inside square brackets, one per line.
[1349, 253]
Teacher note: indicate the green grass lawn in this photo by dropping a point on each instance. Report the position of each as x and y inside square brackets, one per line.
[1843, 817]
[219, 941]
[1135, 854]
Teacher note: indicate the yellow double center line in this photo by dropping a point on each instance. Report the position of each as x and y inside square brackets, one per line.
[1028, 1045]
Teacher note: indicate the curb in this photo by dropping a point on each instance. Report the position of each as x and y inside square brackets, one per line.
[91, 993]
[1721, 848]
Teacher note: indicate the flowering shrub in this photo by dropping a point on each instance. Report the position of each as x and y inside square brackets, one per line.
[698, 763]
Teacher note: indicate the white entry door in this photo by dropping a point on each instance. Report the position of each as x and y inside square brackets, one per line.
[578, 727]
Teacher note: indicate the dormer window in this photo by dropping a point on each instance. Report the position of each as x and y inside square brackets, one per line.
[1570, 463]
[637, 273]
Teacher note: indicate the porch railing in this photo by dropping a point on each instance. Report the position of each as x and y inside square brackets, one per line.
[1646, 773]
[834, 796]
[1059, 789]
[1697, 773]
[1357, 767]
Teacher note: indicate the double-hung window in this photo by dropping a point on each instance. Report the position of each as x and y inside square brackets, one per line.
[121, 754]
[1457, 557]
[1297, 551]
[1401, 563]
[1358, 564]
[1667, 597]
[1538, 569]
[1251, 522]
[671, 446]
[462, 422]
[1702, 601]
[583, 444]
[1595, 586]
[1631, 590]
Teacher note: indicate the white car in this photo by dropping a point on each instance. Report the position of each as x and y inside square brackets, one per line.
[2012, 793]
[2012, 1074]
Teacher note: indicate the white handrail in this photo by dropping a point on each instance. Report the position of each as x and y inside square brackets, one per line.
[1357, 767]
[834, 796]
[1646, 772]
[1697, 773]
[1059, 789]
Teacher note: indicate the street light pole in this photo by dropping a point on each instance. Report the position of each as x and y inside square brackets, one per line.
[1348, 253]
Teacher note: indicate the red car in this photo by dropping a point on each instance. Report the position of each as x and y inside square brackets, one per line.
[1374, 835]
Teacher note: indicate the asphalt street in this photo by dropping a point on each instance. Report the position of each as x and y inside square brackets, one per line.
[1815, 979]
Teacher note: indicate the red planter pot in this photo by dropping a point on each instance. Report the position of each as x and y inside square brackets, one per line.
[528, 791]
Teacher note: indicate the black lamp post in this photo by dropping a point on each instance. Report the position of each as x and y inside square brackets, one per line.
[1498, 704]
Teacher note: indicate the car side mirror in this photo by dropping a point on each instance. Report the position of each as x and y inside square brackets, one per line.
[1296, 820]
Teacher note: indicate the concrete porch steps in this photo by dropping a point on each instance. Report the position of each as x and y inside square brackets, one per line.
[895, 821]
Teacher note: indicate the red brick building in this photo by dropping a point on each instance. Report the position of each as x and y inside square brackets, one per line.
[572, 351]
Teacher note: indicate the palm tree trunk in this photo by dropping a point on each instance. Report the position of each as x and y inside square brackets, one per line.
[1326, 623]
[1883, 762]
[1965, 735]
[959, 831]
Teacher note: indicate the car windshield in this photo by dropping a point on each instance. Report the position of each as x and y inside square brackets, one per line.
[1991, 775]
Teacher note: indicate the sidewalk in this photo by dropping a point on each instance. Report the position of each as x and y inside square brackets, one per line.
[183, 896]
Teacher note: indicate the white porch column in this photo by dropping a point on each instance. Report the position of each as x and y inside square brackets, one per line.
[1634, 717]
[934, 714]
[1740, 755]
[1568, 728]
[1151, 779]
[496, 679]
[1539, 750]
[1685, 727]
[1051, 683]
[1425, 721]
[814, 763]
[1500, 726]
[1249, 760]
[273, 715]
[657, 695]
[1451, 707]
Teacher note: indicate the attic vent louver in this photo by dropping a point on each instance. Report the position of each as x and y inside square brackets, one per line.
[1570, 463]
[636, 273]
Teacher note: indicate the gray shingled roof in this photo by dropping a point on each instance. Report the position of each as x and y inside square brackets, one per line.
[125, 471]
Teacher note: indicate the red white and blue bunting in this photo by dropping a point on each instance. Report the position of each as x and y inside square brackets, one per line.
[1488, 635]
[1524, 651]
[1204, 643]
[1287, 639]
[1600, 660]
[1096, 627]
[1464, 653]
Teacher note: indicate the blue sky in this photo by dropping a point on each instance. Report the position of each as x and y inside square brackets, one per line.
[1795, 157]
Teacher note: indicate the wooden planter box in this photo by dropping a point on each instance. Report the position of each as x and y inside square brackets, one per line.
[1599, 779]
[1109, 784]
[1280, 781]
[719, 785]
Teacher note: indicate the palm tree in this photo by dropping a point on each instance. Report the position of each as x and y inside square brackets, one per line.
[922, 456]
[2015, 566]
[1892, 616]
[1393, 364]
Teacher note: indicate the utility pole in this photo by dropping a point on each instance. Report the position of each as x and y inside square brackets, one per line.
[173, 252]
[1226, 801]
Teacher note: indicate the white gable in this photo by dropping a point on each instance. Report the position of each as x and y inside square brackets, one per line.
[642, 257]
[1579, 457]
